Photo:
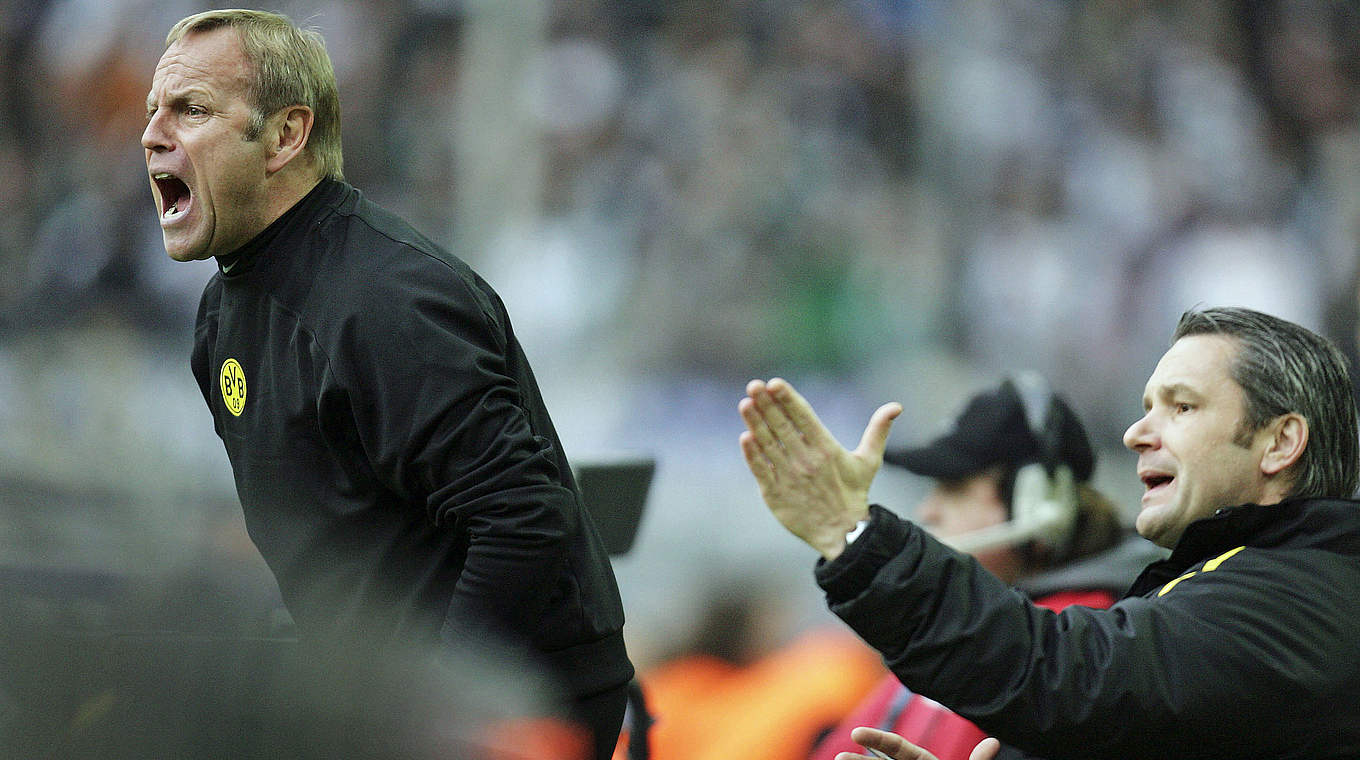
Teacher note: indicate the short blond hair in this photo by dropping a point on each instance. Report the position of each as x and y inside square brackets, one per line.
[289, 66]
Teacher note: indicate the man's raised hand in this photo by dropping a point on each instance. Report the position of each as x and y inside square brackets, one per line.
[815, 487]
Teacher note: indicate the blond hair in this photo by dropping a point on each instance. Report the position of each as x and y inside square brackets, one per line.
[289, 66]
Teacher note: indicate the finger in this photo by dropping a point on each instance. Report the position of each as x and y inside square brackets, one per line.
[756, 461]
[875, 437]
[776, 415]
[890, 744]
[761, 434]
[800, 413]
[987, 749]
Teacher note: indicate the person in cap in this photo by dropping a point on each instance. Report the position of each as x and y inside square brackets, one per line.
[1241, 643]
[973, 501]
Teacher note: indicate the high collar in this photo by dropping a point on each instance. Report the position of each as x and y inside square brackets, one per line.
[245, 258]
[1314, 522]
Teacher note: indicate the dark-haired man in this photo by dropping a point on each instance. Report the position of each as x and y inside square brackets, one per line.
[1239, 644]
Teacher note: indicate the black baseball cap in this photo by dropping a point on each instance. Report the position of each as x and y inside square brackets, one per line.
[993, 429]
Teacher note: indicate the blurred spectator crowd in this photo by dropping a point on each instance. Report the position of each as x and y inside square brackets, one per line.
[884, 199]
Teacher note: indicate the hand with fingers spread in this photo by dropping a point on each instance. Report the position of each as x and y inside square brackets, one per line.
[894, 747]
[816, 488]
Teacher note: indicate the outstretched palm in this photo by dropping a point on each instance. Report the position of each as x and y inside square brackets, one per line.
[814, 486]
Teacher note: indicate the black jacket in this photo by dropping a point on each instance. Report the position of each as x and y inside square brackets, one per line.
[394, 459]
[1243, 643]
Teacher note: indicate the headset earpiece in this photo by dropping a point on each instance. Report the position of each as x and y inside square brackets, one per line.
[1044, 496]
[1047, 503]
[1045, 493]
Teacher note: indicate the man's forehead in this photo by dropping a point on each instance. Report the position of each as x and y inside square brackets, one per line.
[213, 59]
[1193, 363]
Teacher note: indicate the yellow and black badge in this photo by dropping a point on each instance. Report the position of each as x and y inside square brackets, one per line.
[233, 386]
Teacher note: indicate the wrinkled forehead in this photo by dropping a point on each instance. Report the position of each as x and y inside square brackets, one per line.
[1199, 363]
[213, 61]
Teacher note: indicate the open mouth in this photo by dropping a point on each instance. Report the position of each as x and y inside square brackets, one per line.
[1153, 482]
[174, 194]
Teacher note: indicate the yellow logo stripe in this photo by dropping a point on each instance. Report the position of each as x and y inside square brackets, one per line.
[1213, 564]
[1172, 584]
[1209, 567]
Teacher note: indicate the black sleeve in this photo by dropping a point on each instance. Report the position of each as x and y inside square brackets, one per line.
[445, 420]
[1224, 664]
[205, 335]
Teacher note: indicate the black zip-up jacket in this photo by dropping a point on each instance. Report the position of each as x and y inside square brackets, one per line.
[1245, 642]
[394, 459]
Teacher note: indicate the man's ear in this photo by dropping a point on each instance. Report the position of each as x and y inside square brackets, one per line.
[291, 128]
[1288, 438]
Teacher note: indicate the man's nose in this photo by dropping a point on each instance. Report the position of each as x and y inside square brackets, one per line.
[154, 137]
[1140, 434]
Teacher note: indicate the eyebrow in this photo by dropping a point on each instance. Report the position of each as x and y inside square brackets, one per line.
[1171, 390]
[177, 98]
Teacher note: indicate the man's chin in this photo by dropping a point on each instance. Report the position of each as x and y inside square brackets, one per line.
[1152, 523]
[186, 252]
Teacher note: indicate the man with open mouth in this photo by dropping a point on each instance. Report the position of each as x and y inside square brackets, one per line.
[395, 462]
[1242, 643]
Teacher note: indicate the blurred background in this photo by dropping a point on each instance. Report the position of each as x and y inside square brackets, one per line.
[877, 199]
